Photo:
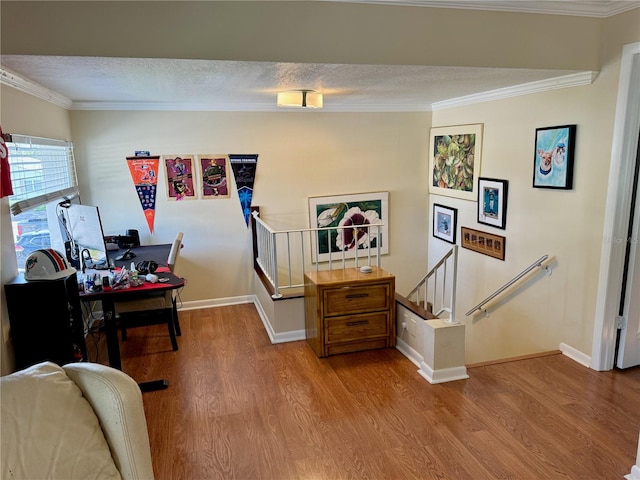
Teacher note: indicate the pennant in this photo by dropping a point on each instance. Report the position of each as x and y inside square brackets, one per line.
[5, 175]
[244, 172]
[144, 173]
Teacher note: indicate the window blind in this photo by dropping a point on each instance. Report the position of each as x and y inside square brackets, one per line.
[42, 170]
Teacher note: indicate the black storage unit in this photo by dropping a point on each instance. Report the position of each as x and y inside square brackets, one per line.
[46, 320]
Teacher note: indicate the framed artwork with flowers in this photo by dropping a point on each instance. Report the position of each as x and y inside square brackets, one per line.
[349, 226]
[454, 161]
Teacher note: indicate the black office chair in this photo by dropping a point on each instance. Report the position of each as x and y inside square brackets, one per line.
[154, 309]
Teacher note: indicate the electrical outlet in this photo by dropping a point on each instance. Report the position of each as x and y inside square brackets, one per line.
[412, 327]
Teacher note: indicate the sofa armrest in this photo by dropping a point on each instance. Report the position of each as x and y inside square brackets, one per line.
[117, 402]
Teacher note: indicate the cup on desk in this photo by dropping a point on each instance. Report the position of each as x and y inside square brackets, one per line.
[106, 283]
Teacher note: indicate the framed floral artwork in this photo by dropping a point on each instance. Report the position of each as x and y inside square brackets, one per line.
[445, 222]
[454, 160]
[366, 215]
[492, 202]
[553, 157]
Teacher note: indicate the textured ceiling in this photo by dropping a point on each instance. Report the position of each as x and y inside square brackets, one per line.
[178, 84]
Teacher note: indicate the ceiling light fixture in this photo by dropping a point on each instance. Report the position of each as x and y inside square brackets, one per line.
[300, 99]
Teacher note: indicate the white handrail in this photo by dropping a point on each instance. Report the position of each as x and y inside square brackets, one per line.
[446, 285]
[268, 251]
[536, 264]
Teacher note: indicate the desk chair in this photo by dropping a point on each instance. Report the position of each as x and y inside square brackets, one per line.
[154, 309]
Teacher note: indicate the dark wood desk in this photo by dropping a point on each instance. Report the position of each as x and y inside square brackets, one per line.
[158, 253]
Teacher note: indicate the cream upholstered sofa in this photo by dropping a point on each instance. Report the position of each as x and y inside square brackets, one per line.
[80, 421]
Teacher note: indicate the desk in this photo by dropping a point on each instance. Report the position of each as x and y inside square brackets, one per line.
[157, 253]
[151, 252]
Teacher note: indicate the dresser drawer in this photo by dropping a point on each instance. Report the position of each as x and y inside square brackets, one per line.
[356, 299]
[357, 327]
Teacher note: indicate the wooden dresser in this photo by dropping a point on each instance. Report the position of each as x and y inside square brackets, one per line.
[348, 311]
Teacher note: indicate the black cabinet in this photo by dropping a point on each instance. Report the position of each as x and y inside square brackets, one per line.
[46, 320]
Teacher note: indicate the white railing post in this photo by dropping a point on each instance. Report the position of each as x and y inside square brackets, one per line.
[454, 282]
[267, 251]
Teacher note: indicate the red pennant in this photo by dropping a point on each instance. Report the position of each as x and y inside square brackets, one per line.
[144, 172]
[5, 175]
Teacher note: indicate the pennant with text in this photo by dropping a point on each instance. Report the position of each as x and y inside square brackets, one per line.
[144, 172]
[244, 172]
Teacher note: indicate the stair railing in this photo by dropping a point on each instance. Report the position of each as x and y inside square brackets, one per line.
[281, 254]
[438, 286]
[537, 264]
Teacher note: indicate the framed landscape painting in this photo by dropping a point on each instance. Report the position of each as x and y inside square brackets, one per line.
[357, 211]
[454, 160]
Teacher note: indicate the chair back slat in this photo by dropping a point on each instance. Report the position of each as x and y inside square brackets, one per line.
[173, 253]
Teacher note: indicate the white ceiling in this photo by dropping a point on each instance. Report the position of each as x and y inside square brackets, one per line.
[94, 83]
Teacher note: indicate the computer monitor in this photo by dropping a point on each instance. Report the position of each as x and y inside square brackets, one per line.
[82, 236]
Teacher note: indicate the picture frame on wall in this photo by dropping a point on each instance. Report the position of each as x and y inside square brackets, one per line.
[455, 155]
[445, 223]
[483, 242]
[357, 210]
[492, 202]
[553, 157]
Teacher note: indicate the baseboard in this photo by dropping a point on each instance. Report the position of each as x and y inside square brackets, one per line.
[635, 473]
[575, 355]
[292, 336]
[404, 348]
[442, 375]
[216, 302]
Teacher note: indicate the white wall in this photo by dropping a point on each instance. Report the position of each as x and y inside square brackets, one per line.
[318, 153]
[24, 114]
[567, 225]
[300, 155]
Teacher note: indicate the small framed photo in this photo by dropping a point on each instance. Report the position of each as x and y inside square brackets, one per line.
[492, 202]
[445, 222]
[553, 157]
[483, 242]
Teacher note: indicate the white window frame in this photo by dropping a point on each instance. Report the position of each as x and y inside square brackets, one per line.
[55, 177]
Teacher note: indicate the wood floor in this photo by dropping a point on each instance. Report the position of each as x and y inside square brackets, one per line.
[240, 408]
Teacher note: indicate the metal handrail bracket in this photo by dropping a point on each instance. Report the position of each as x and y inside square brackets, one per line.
[536, 264]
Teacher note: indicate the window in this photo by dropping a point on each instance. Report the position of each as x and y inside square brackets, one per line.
[42, 171]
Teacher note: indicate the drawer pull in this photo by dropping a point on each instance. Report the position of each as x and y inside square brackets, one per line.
[358, 322]
[357, 295]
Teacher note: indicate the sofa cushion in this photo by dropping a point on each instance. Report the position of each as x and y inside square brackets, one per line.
[49, 430]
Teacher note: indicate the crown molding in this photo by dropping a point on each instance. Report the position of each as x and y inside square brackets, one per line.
[23, 84]
[17, 81]
[255, 107]
[566, 81]
[598, 9]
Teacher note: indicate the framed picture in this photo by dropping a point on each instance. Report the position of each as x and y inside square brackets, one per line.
[214, 172]
[492, 202]
[553, 157]
[454, 160]
[445, 222]
[483, 242]
[357, 210]
[180, 177]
